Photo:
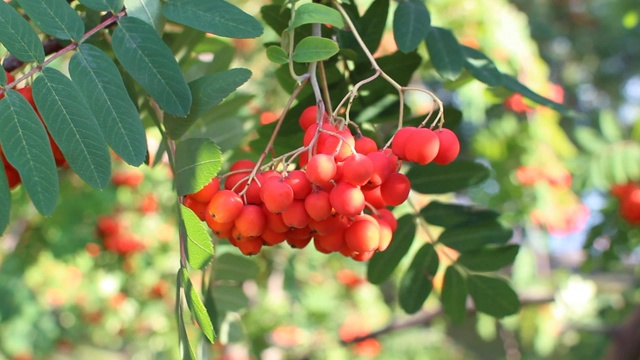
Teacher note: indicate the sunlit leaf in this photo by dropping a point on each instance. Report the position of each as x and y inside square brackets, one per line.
[440, 179]
[317, 13]
[18, 37]
[149, 11]
[151, 63]
[473, 236]
[55, 17]
[489, 258]
[481, 67]
[411, 23]
[198, 242]
[26, 145]
[314, 48]
[101, 85]
[454, 295]
[198, 160]
[196, 306]
[383, 263]
[492, 295]
[416, 284]
[213, 16]
[73, 127]
[445, 52]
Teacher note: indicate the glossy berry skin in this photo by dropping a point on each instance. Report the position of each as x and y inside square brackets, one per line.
[399, 142]
[206, 193]
[276, 194]
[449, 146]
[251, 221]
[347, 199]
[309, 117]
[424, 146]
[225, 206]
[363, 235]
[395, 190]
[321, 169]
[357, 169]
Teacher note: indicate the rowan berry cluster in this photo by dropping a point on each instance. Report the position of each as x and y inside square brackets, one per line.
[13, 176]
[339, 196]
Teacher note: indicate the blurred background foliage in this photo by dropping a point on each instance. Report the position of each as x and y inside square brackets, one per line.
[68, 290]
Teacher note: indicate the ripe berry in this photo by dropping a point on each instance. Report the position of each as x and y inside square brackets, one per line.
[251, 221]
[399, 142]
[309, 117]
[221, 230]
[386, 234]
[365, 145]
[363, 235]
[317, 205]
[274, 221]
[199, 208]
[382, 167]
[374, 198]
[299, 183]
[395, 190]
[276, 194]
[321, 169]
[206, 193]
[424, 146]
[449, 147]
[225, 206]
[296, 216]
[249, 246]
[271, 237]
[326, 226]
[347, 199]
[357, 169]
[331, 242]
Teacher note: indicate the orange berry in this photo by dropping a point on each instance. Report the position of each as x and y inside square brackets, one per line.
[274, 221]
[225, 206]
[347, 199]
[221, 230]
[382, 167]
[299, 183]
[296, 216]
[317, 205]
[374, 198]
[363, 235]
[271, 237]
[357, 169]
[206, 193]
[251, 221]
[276, 194]
[326, 226]
[250, 246]
[365, 145]
[199, 208]
[331, 242]
[321, 169]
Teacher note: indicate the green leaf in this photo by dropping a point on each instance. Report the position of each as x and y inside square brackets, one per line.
[235, 268]
[186, 350]
[213, 16]
[317, 13]
[445, 52]
[198, 160]
[481, 67]
[277, 55]
[26, 145]
[631, 158]
[196, 306]
[104, 5]
[589, 139]
[511, 83]
[73, 127]
[440, 179]
[450, 215]
[3, 78]
[148, 11]
[207, 91]
[198, 242]
[370, 26]
[18, 36]
[473, 236]
[276, 16]
[454, 295]
[5, 200]
[55, 17]
[489, 258]
[101, 85]
[229, 298]
[416, 284]
[383, 263]
[152, 64]
[314, 48]
[492, 295]
[411, 24]
[609, 126]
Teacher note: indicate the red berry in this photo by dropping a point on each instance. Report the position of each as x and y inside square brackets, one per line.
[424, 146]
[357, 169]
[276, 194]
[347, 199]
[317, 205]
[395, 190]
[321, 169]
[399, 142]
[449, 147]
[251, 221]
[225, 206]
[363, 235]
[206, 193]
